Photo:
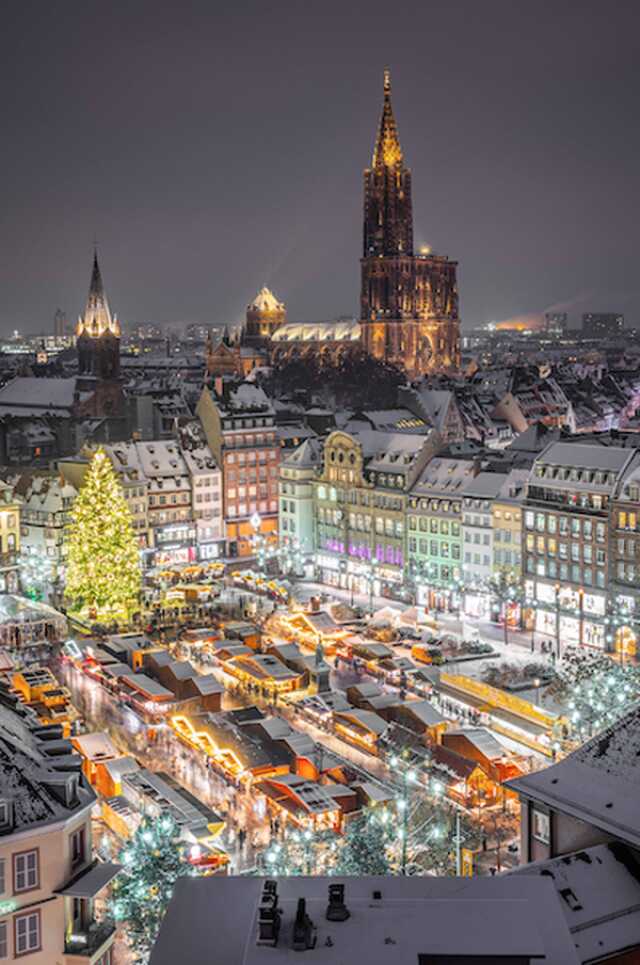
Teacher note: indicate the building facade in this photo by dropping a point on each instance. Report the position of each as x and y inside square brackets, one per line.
[360, 499]
[624, 563]
[49, 879]
[408, 302]
[434, 524]
[46, 506]
[567, 543]
[297, 472]
[477, 540]
[239, 425]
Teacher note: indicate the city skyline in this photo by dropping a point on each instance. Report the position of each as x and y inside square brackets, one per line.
[203, 177]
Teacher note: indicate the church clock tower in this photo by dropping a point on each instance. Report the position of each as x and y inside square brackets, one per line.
[408, 302]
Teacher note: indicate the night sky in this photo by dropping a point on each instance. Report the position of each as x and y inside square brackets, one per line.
[212, 148]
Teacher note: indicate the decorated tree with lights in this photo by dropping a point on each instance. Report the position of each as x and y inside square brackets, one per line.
[103, 563]
[152, 862]
[299, 852]
[596, 690]
[363, 850]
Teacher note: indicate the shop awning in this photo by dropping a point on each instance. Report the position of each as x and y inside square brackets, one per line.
[91, 881]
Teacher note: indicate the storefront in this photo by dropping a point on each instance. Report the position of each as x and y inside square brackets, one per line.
[593, 634]
[436, 598]
[477, 605]
[545, 623]
[175, 544]
[329, 572]
[569, 630]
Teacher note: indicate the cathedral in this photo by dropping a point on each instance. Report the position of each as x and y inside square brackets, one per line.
[408, 302]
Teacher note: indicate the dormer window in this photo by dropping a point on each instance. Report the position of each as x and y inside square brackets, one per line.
[5, 813]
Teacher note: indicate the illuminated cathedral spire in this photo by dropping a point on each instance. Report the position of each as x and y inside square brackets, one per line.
[97, 319]
[387, 150]
[98, 332]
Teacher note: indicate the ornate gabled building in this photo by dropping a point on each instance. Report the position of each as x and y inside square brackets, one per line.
[409, 303]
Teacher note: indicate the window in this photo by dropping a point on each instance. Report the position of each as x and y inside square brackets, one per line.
[77, 840]
[3, 880]
[27, 933]
[540, 826]
[26, 871]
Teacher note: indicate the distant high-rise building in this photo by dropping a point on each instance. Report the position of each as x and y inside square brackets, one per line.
[602, 324]
[409, 303]
[556, 323]
[98, 333]
[59, 323]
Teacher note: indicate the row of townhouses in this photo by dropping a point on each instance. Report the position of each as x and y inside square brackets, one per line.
[555, 547]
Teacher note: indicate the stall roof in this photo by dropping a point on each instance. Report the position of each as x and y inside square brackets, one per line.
[147, 686]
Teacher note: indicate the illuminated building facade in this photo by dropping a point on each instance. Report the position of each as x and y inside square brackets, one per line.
[239, 425]
[50, 882]
[566, 541]
[409, 302]
[360, 499]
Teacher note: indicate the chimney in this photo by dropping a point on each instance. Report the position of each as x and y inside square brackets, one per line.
[336, 909]
[268, 915]
[304, 932]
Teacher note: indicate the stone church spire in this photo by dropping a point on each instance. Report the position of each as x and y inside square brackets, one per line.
[98, 332]
[97, 318]
[387, 151]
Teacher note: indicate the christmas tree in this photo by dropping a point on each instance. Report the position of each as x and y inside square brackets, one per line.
[299, 853]
[103, 563]
[363, 850]
[152, 862]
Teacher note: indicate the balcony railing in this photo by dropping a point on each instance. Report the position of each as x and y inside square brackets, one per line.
[87, 941]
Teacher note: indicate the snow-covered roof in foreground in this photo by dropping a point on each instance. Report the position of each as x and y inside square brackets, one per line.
[413, 917]
[599, 783]
[599, 891]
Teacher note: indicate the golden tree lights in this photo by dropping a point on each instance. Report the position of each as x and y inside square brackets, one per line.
[103, 563]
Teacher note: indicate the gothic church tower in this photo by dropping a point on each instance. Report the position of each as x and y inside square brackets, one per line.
[408, 302]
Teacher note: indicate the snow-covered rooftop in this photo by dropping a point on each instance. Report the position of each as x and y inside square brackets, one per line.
[27, 395]
[32, 780]
[599, 892]
[393, 921]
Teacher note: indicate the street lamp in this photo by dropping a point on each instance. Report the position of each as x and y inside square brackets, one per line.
[536, 684]
[372, 570]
